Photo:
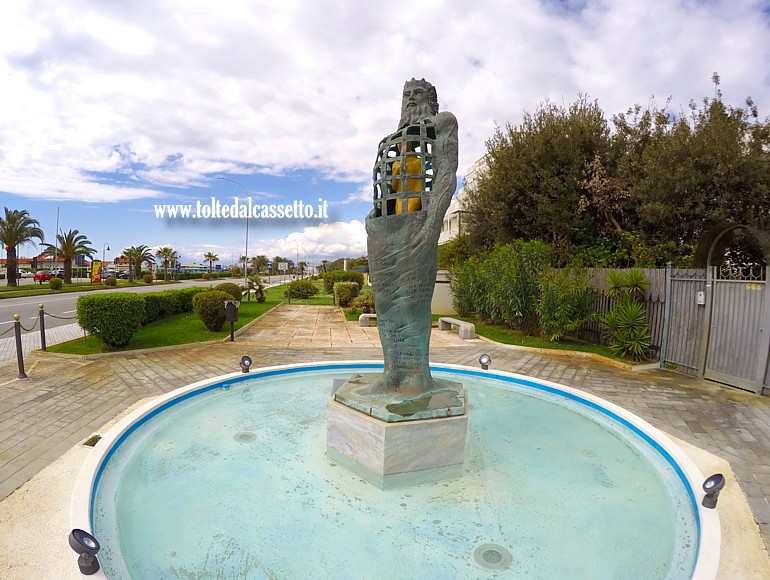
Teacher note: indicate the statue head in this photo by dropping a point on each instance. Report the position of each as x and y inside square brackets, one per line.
[419, 101]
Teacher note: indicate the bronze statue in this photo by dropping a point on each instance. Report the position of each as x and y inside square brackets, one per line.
[414, 180]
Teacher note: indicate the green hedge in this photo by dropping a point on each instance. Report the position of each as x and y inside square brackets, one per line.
[344, 292]
[331, 278]
[113, 317]
[302, 288]
[210, 308]
[231, 288]
[158, 305]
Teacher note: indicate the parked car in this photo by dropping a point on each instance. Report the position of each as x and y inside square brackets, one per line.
[43, 276]
[122, 275]
[58, 273]
[26, 274]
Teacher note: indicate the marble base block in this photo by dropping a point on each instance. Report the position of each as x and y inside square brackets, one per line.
[396, 455]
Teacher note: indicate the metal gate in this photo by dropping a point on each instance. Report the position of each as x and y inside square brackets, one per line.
[735, 352]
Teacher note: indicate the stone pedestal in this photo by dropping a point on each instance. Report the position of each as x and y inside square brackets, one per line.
[396, 455]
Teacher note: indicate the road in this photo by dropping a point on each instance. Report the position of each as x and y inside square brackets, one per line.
[61, 307]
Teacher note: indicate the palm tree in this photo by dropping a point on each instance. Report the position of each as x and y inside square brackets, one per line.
[137, 255]
[69, 246]
[144, 256]
[261, 263]
[17, 228]
[242, 260]
[168, 257]
[211, 257]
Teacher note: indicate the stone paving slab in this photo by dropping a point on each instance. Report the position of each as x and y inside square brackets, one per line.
[65, 399]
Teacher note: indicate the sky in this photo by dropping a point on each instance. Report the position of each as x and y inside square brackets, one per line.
[108, 109]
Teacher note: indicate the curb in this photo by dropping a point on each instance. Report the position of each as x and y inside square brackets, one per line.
[578, 354]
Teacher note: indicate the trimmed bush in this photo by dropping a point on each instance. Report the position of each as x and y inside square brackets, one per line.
[344, 292]
[158, 305]
[210, 308]
[363, 302]
[301, 289]
[185, 297]
[55, 283]
[148, 278]
[331, 278]
[111, 281]
[230, 288]
[113, 318]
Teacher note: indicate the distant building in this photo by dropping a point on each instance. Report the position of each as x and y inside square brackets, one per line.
[453, 218]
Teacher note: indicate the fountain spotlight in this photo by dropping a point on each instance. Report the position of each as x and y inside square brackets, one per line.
[245, 363]
[86, 545]
[485, 360]
[712, 486]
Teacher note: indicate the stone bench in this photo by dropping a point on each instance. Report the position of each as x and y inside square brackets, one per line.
[363, 320]
[467, 329]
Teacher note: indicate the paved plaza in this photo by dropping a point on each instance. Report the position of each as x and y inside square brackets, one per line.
[65, 399]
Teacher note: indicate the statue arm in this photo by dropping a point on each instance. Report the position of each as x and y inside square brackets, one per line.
[446, 159]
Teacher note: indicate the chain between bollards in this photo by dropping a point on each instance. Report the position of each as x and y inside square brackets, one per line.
[19, 353]
[42, 326]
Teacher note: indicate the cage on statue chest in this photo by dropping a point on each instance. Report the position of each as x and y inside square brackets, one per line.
[403, 172]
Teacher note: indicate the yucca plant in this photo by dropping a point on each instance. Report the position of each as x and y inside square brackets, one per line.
[626, 326]
[627, 329]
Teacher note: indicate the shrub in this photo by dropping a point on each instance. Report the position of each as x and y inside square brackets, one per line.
[301, 289]
[363, 302]
[344, 292]
[158, 305]
[148, 278]
[55, 283]
[210, 308]
[113, 318]
[111, 281]
[331, 278]
[230, 288]
[502, 287]
[566, 302]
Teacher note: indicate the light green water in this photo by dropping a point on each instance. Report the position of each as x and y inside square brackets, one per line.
[235, 484]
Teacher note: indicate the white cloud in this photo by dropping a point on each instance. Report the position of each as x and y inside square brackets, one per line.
[313, 244]
[168, 93]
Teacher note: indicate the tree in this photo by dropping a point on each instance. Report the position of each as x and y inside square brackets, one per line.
[700, 169]
[536, 178]
[168, 258]
[260, 263]
[137, 255]
[69, 246]
[211, 257]
[17, 228]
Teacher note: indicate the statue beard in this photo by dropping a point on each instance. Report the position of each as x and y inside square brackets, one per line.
[413, 115]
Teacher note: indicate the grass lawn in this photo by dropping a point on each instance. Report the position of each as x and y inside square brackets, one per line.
[505, 335]
[276, 293]
[182, 328]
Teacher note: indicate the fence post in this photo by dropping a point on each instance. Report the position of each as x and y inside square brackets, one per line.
[19, 353]
[42, 326]
[666, 317]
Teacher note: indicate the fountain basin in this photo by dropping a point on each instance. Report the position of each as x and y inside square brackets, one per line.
[229, 476]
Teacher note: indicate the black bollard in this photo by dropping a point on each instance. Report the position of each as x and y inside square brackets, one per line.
[42, 327]
[19, 353]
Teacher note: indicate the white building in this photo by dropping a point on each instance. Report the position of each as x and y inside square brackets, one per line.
[453, 218]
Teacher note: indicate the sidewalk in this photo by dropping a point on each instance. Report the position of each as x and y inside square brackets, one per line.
[31, 341]
[65, 399]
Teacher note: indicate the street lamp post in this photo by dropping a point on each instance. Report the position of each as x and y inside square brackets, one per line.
[246, 254]
[104, 253]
